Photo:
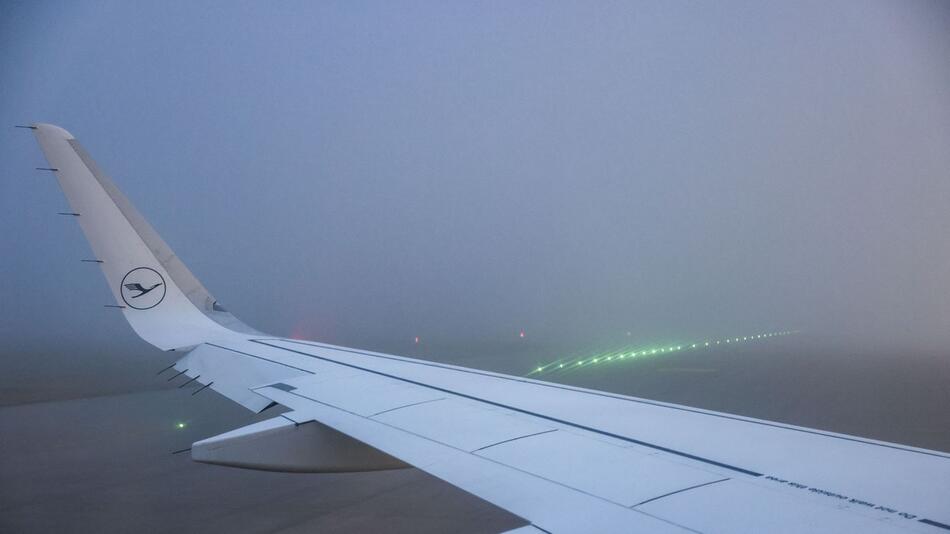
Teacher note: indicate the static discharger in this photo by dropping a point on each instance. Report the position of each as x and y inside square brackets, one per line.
[177, 375]
[189, 382]
[202, 388]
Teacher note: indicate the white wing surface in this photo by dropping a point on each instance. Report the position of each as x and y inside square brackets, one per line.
[565, 459]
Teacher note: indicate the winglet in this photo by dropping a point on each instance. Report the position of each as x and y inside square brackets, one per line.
[164, 303]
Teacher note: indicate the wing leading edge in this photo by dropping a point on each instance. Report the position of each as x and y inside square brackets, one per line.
[565, 459]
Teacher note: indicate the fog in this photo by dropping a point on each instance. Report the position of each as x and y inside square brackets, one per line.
[496, 184]
[592, 176]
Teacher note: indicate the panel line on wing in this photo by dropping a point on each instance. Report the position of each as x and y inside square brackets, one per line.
[259, 357]
[680, 491]
[935, 524]
[406, 406]
[515, 439]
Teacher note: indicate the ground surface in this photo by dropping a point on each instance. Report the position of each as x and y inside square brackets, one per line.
[104, 463]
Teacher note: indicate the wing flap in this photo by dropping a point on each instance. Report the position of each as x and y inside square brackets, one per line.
[576, 459]
[546, 504]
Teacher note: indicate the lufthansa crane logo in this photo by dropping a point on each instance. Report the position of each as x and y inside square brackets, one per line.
[143, 288]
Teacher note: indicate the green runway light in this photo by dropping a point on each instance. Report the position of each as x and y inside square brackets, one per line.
[179, 426]
[614, 355]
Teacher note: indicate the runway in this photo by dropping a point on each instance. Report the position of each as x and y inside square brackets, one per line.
[105, 464]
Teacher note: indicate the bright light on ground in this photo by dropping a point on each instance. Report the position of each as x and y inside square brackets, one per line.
[565, 364]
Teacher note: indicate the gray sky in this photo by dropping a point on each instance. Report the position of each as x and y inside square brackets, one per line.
[365, 173]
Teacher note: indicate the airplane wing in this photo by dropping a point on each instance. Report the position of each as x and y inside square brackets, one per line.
[565, 459]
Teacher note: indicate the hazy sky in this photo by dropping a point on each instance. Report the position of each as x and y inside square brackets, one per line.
[362, 173]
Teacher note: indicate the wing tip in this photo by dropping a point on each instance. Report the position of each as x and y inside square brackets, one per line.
[45, 128]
